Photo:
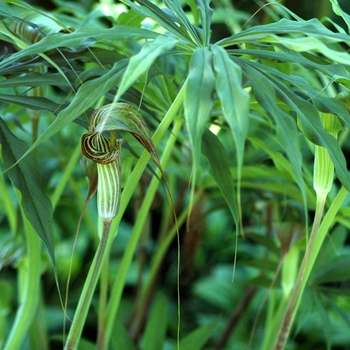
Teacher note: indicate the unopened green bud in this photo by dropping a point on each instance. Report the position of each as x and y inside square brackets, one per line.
[323, 165]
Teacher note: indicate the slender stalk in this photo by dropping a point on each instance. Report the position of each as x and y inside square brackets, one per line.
[9, 207]
[89, 288]
[68, 169]
[119, 283]
[29, 304]
[156, 262]
[289, 315]
[101, 338]
[317, 237]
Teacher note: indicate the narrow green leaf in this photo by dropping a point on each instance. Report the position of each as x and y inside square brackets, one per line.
[26, 177]
[139, 63]
[35, 79]
[220, 169]
[166, 20]
[198, 99]
[182, 18]
[36, 103]
[77, 38]
[338, 11]
[206, 13]
[234, 100]
[265, 94]
[155, 332]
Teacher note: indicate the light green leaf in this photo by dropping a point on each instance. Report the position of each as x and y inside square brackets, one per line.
[139, 63]
[182, 18]
[338, 11]
[166, 20]
[198, 99]
[234, 100]
[84, 36]
[26, 177]
[220, 169]
[206, 13]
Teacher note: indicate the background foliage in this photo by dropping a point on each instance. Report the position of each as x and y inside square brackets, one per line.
[236, 96]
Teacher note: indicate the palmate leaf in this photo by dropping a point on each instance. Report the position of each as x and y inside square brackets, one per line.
[26, 177]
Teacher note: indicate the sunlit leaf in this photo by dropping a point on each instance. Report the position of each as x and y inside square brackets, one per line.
[139, 63]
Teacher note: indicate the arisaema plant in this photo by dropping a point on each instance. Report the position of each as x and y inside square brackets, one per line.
[206, 107]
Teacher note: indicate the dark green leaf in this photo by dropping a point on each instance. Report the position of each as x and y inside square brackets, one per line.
[36, 103]
[220, 169]
[26, 177]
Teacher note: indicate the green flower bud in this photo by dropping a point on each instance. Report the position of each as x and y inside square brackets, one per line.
[323, 165]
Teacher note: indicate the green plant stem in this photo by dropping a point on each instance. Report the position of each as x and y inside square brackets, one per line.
[101, 339]
[119, 283]
[9, 207]
[318, 234]
[29, 303]
[88, 290]
[68, 169]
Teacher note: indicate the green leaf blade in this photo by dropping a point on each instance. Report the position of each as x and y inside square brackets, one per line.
[141, 62]
[25, 177]
[220, 169]
[234, 100]
[198, 99]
